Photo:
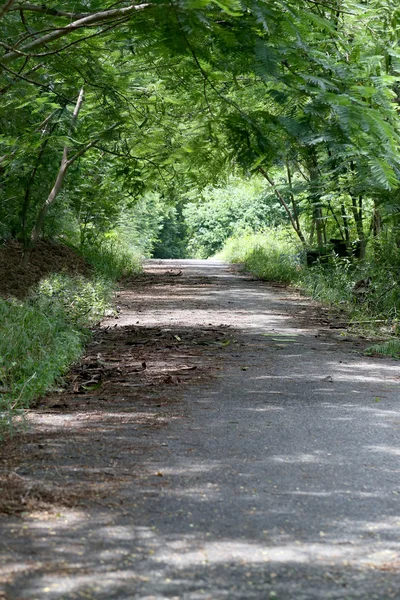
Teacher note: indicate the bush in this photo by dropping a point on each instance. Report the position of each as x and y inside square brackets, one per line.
[272, 255]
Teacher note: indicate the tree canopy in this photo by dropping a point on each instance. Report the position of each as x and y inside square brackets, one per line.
[100, 106]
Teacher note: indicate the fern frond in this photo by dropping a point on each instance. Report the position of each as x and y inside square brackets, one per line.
[389, 348]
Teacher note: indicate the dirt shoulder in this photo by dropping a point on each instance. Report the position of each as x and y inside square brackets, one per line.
[46, 258]
[131, 379]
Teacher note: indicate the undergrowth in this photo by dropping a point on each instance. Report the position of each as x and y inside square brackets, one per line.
[272, 256]
[367, 292]
[112, 260]
[43, 335]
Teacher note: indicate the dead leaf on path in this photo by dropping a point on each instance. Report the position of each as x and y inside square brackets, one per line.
[183, 368]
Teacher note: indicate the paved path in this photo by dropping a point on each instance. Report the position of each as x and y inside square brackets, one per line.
[279, 480]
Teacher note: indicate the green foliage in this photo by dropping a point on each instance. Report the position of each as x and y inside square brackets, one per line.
[218, 213]
[37, 346]
[331, 282]
[271, 255]
[172, 237]
[113, 259]
[180, 95]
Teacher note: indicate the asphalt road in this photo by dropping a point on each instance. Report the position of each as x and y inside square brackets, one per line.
[280, 479]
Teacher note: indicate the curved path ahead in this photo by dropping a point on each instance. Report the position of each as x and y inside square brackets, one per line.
[279, 478]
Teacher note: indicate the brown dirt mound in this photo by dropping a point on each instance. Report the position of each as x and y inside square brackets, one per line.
[46, 258]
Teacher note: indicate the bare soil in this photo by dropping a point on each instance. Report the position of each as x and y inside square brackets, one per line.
[46, 258]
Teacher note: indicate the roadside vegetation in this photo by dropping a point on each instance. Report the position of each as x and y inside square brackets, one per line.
[42, 334]
[266, 131]
[366, 291]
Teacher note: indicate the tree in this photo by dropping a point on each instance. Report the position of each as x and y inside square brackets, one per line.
[180, 93]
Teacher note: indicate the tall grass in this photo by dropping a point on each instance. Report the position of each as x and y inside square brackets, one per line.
[112, 259]
[275, 256]
[272, 255]
[331, 283]
[37, 345]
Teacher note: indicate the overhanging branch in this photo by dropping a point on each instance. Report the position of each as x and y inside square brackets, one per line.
[6, 7]
[87, 21]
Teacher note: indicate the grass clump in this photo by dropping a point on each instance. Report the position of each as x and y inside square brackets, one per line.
[37, 345]
[113, 259]
[272, 255]
[41, 337]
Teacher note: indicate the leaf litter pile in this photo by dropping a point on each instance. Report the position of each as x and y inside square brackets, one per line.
[85, 437]
[46, 258]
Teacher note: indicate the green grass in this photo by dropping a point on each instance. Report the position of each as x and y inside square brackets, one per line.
[275, 256]
[271, 256]
[43, 335]
[113, 260]
[37, 345]
[330, 283]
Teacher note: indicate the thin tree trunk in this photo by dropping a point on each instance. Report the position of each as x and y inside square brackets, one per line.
[65, 164]
[284, 204]
[336, 221]
[294, 205]
[357, 209]
[345, 223]
[27, 196]
[377, 226]
[315, 197]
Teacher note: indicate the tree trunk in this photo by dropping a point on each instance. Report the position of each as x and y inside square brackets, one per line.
[345, 224]
[65, 164]
[284, 204]
[27, 196]
[315, 197]
[357, 210]
[294, 205]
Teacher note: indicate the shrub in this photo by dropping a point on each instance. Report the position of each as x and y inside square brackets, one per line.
[112, 259]
[272, 255]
